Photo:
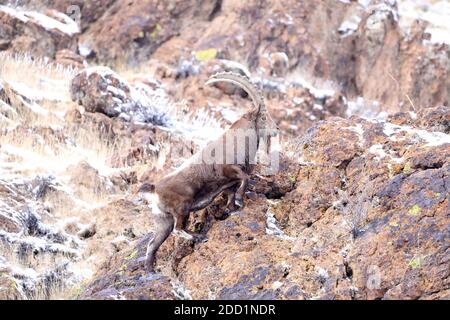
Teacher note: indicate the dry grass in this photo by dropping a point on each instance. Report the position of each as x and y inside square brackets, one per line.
[37, 75]
[36, 140]
[48, 285]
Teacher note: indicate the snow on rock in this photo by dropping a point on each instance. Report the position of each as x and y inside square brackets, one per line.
[431, 139]
[273, 229]
[365, 109]
[319, 94]
[60, 22]
[436, 13]
[350, 26]
[26, 242]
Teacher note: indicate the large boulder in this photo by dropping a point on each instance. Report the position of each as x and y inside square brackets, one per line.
[99, 89]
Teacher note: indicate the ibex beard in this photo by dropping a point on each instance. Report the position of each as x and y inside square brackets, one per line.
[223, 165]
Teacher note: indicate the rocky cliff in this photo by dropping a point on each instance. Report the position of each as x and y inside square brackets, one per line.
[98, 96]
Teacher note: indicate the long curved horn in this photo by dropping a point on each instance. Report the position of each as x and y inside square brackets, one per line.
[243, 83]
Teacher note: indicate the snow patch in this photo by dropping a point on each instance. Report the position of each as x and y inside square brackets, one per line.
[84, 50]
[180, 291]
[272, 228]
[377, 149]
[349, 27]
[319, 94]
[68, 26]
[431, 139]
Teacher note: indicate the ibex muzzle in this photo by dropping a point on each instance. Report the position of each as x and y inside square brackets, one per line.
[223, 165]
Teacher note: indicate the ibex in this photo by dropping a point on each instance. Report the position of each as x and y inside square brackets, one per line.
[223, 165]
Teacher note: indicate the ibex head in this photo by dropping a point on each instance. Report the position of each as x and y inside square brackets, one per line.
[263, 122]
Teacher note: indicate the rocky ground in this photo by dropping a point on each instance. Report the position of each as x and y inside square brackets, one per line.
[98, 96]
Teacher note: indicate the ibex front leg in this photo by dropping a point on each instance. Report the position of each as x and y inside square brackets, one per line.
[234, 172]
[164, 225]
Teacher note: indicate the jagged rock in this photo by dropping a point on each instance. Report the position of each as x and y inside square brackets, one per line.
[433, 119]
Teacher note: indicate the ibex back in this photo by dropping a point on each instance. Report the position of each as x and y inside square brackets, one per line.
[223, 165]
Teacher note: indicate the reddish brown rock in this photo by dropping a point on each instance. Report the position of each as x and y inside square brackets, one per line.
[358, 210]
[39, 34]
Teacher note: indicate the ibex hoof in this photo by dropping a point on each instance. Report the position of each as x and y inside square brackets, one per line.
[239, 202]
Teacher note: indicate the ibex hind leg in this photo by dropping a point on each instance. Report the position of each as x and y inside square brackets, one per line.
[164, 227]
[231, 197]
[181, 231]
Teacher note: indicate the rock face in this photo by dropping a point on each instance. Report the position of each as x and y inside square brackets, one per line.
[132, 32]
[361, 49]
[359, 210]
[357, 48]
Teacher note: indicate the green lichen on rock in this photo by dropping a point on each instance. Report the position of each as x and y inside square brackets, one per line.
[156, 31]
[131, 255]
[292, 178]
[416, 262]
[414, 210]
[204, 55]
